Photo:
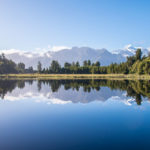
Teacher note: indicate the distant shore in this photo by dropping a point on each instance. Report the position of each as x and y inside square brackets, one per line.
[74, 76]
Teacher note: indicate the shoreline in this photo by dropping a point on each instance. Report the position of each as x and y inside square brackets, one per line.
[75, 76]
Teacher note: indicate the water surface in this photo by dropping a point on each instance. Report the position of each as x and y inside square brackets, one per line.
[74, 114]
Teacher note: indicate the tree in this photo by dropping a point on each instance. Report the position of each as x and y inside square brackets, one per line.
[55, 67]
[77, 64]
[3, 56]
[89, 63]
[138, 54]
[30, 69]
[94, 70]
[21, 67]
[39, 67]
[67, 65]
[148, 54]
[130, 61]
[7, 66]
[97, 64]
[85, 63]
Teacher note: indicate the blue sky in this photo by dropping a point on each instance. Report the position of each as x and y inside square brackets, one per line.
[111, 24]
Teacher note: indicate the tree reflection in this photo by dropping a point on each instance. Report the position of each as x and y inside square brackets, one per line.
[134, 89]
[138, 99]
[39, 84]
[21, 84]
[6, 86]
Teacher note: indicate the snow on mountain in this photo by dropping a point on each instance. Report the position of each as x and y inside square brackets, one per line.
[72, 54]
[129, 50]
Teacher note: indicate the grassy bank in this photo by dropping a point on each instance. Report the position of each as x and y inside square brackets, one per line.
[74, 76]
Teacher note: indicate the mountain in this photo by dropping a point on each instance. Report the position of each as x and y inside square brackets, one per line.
[130, 50]
[85, 53]
[65, 55]
[74, 54]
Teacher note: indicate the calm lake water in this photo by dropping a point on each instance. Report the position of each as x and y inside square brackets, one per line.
[74, 115]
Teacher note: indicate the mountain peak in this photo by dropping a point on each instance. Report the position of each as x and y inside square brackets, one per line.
[72, 55]
[130, 48]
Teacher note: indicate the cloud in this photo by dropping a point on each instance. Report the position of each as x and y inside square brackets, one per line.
[127, 46]
[57, 48]
[51, 48]
[53, 101]
[20, 52]
[40, 51]
[38, 98]
[10, 51]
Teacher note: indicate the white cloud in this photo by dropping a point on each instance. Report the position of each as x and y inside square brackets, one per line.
[11, 51]
[51, 48]
[20, 52]
[127, 46]
[39, 98]
[57, 48]
[53, 101]
[39, 51]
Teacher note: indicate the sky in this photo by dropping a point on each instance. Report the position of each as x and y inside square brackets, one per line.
[110, 24]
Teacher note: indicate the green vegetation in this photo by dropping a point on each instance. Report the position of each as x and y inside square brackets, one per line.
[39, 67]
[8, 66]
[134, 65]
[75, 76]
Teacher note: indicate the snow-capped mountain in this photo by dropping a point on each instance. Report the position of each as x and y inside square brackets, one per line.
[74, 54]
[130, 50]
[65, 55]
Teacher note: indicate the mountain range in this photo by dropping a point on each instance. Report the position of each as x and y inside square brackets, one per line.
[72, 55]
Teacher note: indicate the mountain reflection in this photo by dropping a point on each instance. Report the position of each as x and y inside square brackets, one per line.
[83, 91]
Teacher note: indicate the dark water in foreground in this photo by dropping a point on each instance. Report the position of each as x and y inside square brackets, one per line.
[74, 115]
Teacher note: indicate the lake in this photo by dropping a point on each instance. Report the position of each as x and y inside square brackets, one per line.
[74, 114]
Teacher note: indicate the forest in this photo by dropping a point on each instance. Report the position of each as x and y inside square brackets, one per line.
[9, 66]
[137, 64]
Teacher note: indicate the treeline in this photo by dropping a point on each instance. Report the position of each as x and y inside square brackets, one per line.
[71, 68]
[9, 66]
[134, 64]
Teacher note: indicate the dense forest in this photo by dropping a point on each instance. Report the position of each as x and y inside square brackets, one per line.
[9, 66]
[134, 64]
